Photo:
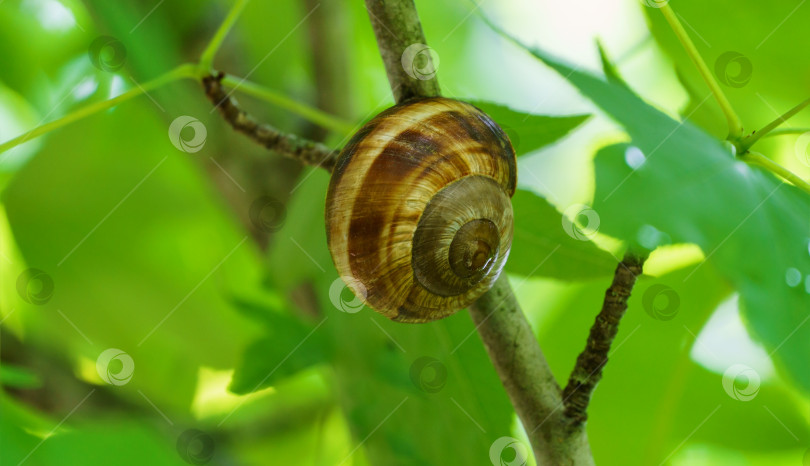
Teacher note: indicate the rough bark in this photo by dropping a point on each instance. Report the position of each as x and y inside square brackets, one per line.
[396, 26]
[290, 145]
[527, 378]
[588, 369]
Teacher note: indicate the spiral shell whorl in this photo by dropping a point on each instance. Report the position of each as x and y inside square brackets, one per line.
[418, 208]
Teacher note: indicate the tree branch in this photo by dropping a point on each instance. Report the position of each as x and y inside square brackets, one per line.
[308, 152]
[588, 369]
[396, 26]
[526, 376]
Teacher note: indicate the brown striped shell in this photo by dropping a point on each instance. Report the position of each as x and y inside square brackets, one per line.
[418, 213]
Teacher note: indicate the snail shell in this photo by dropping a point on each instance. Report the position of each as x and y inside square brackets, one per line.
[418, 212]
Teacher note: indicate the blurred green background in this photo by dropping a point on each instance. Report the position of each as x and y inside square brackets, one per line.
[170, 307]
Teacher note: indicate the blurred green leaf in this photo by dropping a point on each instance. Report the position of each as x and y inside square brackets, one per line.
[27, 438]
[143, 263]
[530, 132]
[18, 377]
[287, 347]
[299, 251]
[608, 67]
[726, 207]
[541, 246]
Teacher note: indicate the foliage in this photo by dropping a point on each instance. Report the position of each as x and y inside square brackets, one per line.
[247, 352]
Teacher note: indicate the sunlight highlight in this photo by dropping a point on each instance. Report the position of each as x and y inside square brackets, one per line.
[724, 341]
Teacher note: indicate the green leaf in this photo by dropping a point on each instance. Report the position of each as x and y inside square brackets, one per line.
[299, 251]
[530, 132]
[432, 384]
[125, 441]
[541, 246]
[610, 70]
[652, 384]
[18, 377]
[288, 347]
[727, 208]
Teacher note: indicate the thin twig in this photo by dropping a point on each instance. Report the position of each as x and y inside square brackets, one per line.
[588, 369]
[311, 114]
[181, 72]
[308, 152]
[207, 56]
[786, 131]
[756, 158]
[752, 139]
[735, 127]
[396, 26]
[527, 378]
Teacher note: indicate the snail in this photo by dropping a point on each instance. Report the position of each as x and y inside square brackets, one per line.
[418, 211]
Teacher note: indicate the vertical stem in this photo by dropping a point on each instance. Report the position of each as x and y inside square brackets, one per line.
[527, 378]
[207, 57]
[735, 128]
[396, 26]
